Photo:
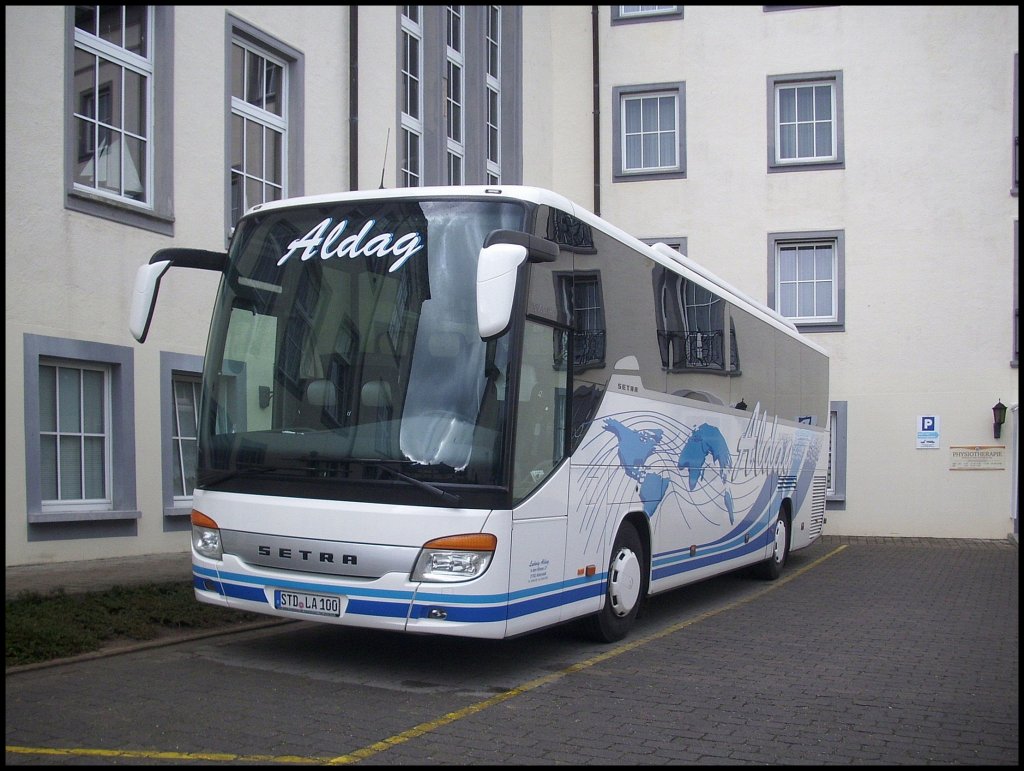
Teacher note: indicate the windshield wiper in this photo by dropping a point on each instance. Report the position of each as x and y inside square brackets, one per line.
[444, 495]
[214, 478]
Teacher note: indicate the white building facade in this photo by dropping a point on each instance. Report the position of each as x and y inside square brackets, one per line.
[854, 167]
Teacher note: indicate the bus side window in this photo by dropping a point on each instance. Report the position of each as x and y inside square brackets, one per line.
[540, 423]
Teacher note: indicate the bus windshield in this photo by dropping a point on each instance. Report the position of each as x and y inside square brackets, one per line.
[344, 346]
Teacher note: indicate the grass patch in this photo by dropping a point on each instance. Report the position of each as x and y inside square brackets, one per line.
[41, 627]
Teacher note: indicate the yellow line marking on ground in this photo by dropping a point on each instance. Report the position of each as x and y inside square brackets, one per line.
[157, 755]
[425, 728]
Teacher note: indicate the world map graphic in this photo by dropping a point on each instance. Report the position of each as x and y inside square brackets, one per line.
[704, 445]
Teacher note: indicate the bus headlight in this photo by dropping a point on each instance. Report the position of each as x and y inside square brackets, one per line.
[455, 558]
[206, 536]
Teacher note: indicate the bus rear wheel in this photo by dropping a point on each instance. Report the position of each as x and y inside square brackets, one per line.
[772, 567]
[624, 589]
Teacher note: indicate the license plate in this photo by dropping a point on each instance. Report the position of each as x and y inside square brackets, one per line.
[313, 604]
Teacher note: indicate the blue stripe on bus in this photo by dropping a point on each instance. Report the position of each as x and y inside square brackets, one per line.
[755, 529]
[379, 609]
[402, 595]
[493, 613]
[454, 606]
[256, 594]
[469, 608]
[684, 563]
[237, 591]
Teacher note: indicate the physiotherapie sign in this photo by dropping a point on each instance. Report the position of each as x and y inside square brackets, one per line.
[977, 457]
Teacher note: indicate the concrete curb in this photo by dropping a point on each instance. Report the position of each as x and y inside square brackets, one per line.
[174, 638]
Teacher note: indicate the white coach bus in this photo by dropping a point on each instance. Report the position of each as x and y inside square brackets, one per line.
[483, 411]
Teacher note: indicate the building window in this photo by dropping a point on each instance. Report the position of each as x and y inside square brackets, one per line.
[80, 451]
[264, 132]
[180, 385]
[74, 434]
[835, 492]
[492, 45]
[806, 280]
[649, 126]
[806, 274]
[649, 132]
[805, 118]
[459, 79]
[259, 128]
[186, 399]
[411, 131]
[119, 86]
[624, 14]
[113, 72]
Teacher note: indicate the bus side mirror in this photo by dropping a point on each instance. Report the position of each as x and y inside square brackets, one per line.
[147, 282]
[497, 272]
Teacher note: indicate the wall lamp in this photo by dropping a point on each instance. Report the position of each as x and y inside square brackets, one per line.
[998, 417]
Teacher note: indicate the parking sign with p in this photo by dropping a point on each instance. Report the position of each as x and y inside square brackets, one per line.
[927, 432]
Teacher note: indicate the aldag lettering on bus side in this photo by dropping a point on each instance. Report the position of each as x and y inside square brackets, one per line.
[360, 244]
[760, 450]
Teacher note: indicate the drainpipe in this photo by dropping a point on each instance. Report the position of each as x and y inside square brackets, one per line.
[597, 109]
[353, 97]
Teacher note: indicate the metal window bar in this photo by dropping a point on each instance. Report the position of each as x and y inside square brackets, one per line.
[693, 350]
[588, 346]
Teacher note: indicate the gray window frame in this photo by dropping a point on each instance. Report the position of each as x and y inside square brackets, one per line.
[679, 243]
[796, 237]
[773, 8]
[434, 170]
[493, 117]
[294, 153]
[456, 93]
[120, 360]
[839, 162]
[1015, 150]
[621, 92]
[172, 364]
[157, 214]
[618, 18]
[410, 127]
[1015, 352]
[837, 498]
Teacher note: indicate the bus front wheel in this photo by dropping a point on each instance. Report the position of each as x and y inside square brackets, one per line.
[624, 588]
[771, 568]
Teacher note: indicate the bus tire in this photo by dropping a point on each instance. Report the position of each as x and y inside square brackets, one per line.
[772, 567]
[625, 586]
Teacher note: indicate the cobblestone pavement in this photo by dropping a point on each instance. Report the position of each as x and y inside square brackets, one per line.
[867, 651]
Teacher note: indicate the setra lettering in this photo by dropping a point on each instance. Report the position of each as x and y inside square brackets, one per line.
[306, 555]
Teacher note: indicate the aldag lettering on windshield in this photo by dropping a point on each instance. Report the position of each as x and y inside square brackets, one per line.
[359, 244]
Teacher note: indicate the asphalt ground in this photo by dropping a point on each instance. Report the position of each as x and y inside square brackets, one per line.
[868, 651]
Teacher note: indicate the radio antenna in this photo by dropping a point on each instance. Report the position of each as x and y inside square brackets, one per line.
[385, 164]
